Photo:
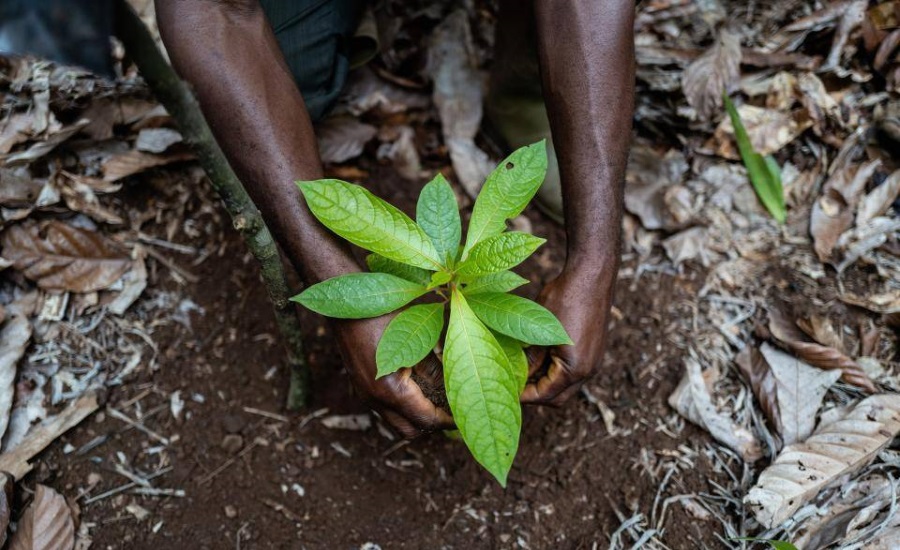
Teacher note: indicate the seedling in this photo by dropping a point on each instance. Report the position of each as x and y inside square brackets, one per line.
[484, 364]
[765, 174]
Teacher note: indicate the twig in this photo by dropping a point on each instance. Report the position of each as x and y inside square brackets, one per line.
[137, 425]
[123, 488]
[266, 414]
[208, 477]
[177, 98]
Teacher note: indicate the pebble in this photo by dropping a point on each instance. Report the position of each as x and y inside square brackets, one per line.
[233, 423]
[230, 511]
[232, 443]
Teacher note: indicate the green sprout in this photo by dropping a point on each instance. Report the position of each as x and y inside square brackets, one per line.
[765, 175]
[484, 364]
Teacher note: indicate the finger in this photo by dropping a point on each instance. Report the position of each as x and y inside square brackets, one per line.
[401, 425]
[538, 359]
[418, 409]
[551, 386]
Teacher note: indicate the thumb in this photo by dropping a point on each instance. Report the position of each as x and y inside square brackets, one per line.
[538, 359]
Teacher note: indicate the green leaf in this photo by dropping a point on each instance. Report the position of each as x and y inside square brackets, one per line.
[504, 281]
[499, 253]
[765, 175]
[437, 213]
[409, 337]
[519, 318]
[481, 389]
[515, 353]
[365, 220]
[359, 295]
[439, 278]
[506, 192]
[381, 264]
[776, 544]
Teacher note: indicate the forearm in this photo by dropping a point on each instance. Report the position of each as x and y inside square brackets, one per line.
[227, 51]
[586, 50]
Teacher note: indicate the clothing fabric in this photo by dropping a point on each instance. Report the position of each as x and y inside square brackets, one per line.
[317, 40]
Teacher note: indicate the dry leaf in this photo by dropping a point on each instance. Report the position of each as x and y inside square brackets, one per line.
[689, 244]
[458, 98]
[861, 240]
[401, 151]
[46, 524]
[133, 162]
[709, 75]
[769, 131]
[821, 329]
[6, 501]
[133, 284]
[762, 381]
[799, 390]
[18, 188]
[80, 197]
[693, 401]
[342, 138]
[58, 256]
[832, 213]
[15, 460]
[41, 148]
[835, 449]
[838, 515]
[885, 303]
[15, 129]
[888, 540]
[365, 91]
[648, 179]
[157, 140]
[879, 199]
[824, 357]
[15, 333]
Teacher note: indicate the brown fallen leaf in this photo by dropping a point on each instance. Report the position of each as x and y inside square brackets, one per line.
[15, 333]
[832, 213]
[133, 162]
[791, 337]
[6, 497]
[59, 256]
[15, 129]
[709, 75]
[342, 138]
[769, 131]
[157, 140]
[648, 180]
[692, 399]
[16, 460]
[877, 202]
[18, 188]
[836, 449]
[886, 303]
[46, 524]
[762, 381]
[80, 196]
[46, 145]
[862, 239]
[821, 329]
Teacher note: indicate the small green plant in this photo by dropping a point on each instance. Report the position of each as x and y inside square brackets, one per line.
[775, 544]
[484, 364]
[765, 174]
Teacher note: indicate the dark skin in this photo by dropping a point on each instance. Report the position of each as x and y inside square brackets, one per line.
[228, 52]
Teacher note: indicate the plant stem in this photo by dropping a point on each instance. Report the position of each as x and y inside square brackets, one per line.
[178, 99]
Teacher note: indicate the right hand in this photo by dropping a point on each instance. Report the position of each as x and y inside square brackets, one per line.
[396, 397]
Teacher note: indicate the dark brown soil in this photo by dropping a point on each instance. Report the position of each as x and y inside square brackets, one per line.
[569, 479]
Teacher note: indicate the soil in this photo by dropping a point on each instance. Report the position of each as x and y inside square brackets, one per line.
[259, 482]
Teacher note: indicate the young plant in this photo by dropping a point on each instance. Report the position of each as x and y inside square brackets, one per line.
[765, 174]
[484, 364]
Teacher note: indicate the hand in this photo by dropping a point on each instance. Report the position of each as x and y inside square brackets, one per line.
[582, 305]
[396, 397]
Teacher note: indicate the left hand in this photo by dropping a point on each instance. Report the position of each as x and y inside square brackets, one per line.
[582, 304]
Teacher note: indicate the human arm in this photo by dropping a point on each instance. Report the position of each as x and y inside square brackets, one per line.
[586, 52]
[227, 51]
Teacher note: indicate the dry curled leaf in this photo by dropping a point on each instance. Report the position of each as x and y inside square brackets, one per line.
[835, 449]
[342, 138]
[649, 182]
[46, 524]
[824, 357]
[762, 381]
[707, 76]
[692, 400]
[59, 256]
[769, 131]
[15, 333]
[832, 213]
[879, 199]
[133, 162]
[799, 390]
[6, 496]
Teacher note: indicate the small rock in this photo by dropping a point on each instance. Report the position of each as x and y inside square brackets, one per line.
[233, 423]
[232, 443]
[230, 511]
